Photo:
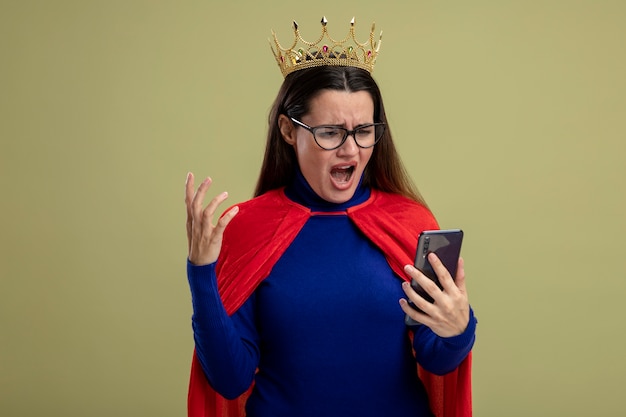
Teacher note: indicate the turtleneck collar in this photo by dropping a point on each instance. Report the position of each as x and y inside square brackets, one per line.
[301, 192]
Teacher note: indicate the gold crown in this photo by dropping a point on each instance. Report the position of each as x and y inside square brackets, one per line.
[347, 52]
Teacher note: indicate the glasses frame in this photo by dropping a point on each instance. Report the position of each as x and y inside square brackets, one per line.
[347, 133]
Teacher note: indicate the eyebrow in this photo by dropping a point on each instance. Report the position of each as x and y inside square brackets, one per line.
[344, 127]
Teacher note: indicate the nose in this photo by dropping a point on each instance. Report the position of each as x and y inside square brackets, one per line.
[349, 146]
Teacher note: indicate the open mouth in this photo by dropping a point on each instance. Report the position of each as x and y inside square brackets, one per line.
[342, 174]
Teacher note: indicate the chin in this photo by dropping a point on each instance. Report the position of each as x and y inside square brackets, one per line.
[339, 197]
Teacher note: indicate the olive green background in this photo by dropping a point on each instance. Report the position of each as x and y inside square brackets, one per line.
[510, 115]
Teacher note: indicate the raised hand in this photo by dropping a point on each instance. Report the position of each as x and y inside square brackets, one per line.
[204, 238]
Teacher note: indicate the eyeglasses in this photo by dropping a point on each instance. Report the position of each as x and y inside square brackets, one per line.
[332, 137]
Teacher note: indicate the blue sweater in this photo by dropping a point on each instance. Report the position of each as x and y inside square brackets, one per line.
[323, 334]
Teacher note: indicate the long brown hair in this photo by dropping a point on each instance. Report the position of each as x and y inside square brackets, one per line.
[384, 171]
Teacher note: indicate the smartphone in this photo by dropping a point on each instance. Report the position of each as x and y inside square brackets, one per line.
[446, 244]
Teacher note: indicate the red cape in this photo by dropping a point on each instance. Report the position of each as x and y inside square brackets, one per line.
[258, 236]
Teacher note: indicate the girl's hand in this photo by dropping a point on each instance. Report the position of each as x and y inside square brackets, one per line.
[449, 315]
[204, 239]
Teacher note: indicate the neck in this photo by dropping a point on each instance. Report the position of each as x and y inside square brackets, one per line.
[301, 192]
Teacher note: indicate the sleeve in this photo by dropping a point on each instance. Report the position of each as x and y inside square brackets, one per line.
[441, 355]
[226, 346]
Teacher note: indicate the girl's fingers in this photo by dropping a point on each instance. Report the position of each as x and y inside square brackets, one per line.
[204, 239]
[210, 210]
[460, 276]
[445, 279]
[198, 198]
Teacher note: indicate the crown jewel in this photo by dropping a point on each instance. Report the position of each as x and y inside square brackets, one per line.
[347, 52]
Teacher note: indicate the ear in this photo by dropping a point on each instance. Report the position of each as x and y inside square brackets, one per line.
[287, 129]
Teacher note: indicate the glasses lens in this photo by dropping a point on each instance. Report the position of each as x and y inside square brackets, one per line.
[367, 136]
[329, 137]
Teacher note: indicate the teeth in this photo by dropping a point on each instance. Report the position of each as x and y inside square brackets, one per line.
[343, 173]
